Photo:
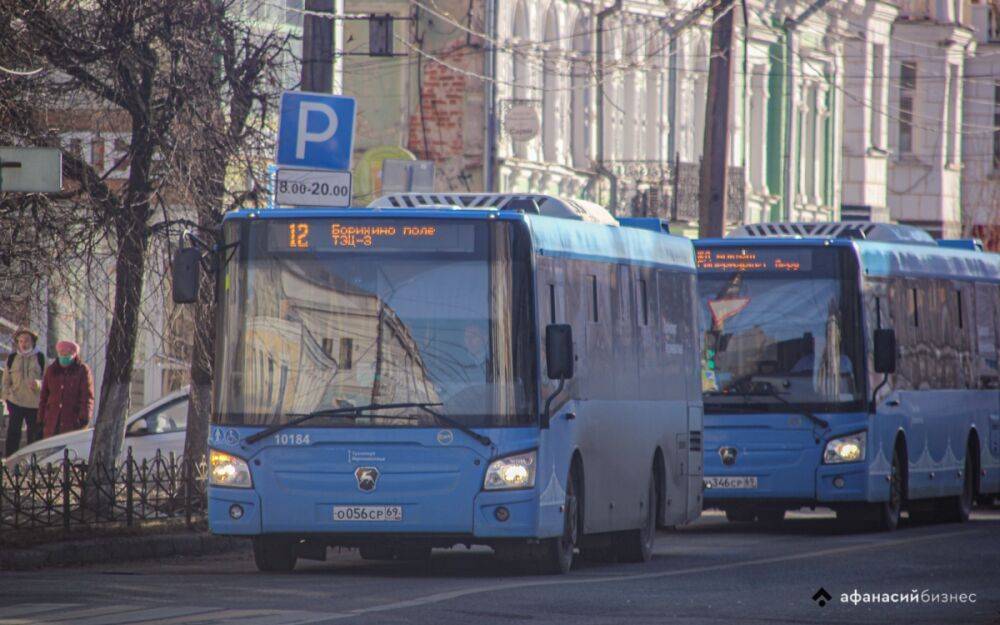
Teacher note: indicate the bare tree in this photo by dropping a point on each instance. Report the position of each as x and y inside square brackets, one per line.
[229, 138]
[189, 84]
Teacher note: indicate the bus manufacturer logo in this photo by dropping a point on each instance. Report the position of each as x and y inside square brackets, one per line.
[367, 478]
[728, 455]
[445, 437]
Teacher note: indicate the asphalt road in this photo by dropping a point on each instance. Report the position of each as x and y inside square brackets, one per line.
[711, 572]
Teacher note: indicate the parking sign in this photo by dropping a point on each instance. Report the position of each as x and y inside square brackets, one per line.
[316, 130]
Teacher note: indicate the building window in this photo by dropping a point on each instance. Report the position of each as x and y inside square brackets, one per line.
[951, 122]
[758, 129]
[551, 113]
[878, 90]
[346, 353]
[580, 97]
[907, 96]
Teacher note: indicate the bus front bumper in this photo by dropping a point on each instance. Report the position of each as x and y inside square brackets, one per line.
[496, 514]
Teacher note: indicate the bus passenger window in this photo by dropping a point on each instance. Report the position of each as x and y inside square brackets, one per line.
[644, 302]
[958, 300]
[593, 298]
[916, 313]
[552, 303]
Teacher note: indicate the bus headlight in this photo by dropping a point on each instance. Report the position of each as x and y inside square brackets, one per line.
[517, 471]
[846, 449]
[227, 470]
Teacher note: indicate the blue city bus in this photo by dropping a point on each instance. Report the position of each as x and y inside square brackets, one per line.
[512, 371]
[850, 366]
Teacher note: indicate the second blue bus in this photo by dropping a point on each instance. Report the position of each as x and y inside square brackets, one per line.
[850, 366]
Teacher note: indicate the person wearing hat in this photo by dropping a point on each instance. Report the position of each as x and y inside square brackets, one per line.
[22, 384]
[67, 398]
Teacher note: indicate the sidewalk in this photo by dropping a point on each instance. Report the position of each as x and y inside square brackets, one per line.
[117, 549]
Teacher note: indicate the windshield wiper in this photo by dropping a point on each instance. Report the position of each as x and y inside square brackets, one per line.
[330, 412]
[772, 392]
[481, 438]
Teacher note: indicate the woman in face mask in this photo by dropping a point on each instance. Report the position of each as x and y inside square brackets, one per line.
[67, 398]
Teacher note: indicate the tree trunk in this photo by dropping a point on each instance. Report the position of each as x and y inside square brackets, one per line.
[130, 265]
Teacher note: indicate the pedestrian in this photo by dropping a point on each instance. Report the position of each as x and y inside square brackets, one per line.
[22, 384]
[67, 398]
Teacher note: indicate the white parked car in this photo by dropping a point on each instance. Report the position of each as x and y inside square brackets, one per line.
[161, 425]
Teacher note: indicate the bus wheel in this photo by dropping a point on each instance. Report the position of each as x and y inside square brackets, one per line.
[273, 555]
[556, 554]
[888, 511]
[637, 545]
[739, 515]
[957, 509]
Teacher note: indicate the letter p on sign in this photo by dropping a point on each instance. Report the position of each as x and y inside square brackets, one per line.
[316, 130]
[303, 135]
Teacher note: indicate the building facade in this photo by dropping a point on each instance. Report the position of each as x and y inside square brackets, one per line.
[981, 113]
[931, 43]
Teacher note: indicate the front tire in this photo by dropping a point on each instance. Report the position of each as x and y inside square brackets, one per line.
[556, 554]
[637, 545]
[274, 555]
[887, 513]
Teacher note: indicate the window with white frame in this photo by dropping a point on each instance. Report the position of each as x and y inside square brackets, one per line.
[551, 93]
[952, 121]
[875, 113]
[758, 129]
[907, 104]
[580, 97]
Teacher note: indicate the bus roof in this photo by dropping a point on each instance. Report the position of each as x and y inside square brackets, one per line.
[552, 236]
[891, 259]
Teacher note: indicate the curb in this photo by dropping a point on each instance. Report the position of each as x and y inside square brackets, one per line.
[122, 549]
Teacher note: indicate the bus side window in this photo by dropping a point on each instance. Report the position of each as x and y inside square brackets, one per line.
[987, 348]
[594, 305]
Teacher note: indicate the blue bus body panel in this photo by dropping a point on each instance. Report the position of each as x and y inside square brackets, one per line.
[438, 484]
[781, 449]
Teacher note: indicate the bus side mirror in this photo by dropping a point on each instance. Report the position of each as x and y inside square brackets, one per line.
[885, 350]
[186, 275]
[559, 351]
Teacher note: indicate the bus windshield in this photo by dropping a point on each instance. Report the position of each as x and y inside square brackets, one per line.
[781, 326]
[324, 314]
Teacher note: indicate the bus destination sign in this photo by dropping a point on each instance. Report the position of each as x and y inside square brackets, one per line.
[750, 260]
[333, 235]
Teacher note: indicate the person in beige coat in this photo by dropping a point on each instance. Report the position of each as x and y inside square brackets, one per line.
[22, 385]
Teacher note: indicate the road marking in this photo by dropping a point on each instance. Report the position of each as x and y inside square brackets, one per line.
[57, 614]
[91, 612]
[139, 616]
[8, 613]
[455, 594]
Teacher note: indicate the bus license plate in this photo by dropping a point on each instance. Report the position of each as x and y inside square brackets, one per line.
[733, 481]
[368, 513]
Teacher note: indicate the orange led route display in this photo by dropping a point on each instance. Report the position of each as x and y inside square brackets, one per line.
[749, 260]
[353, 235]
